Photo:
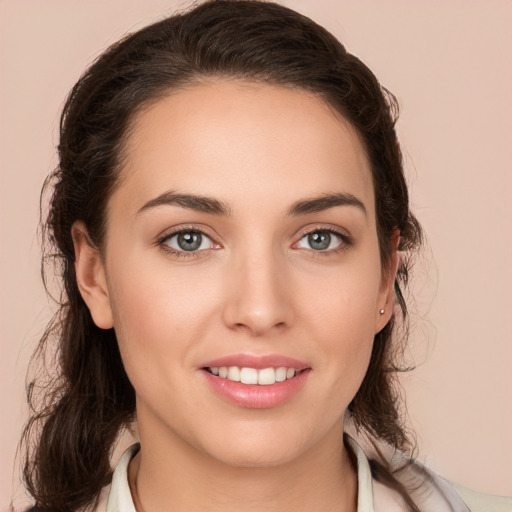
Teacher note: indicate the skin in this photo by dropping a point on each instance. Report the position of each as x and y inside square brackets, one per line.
[258, 287]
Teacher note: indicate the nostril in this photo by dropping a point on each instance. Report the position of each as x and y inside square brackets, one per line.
[257, 308]
[259, 328]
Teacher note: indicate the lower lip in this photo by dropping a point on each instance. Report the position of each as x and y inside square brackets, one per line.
[255, 396]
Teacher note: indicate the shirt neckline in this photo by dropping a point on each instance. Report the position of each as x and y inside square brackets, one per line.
[120, 497]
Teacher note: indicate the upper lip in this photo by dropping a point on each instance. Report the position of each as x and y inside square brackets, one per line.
[257, 361]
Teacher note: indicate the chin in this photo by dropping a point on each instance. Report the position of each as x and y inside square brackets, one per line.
[257, 455]
[260, 446]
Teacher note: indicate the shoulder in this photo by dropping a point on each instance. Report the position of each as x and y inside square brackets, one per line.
[436, 493]
[428, 490]
[480, 502]
[433, 493]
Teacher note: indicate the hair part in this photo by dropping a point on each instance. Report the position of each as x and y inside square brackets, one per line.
[77, 416]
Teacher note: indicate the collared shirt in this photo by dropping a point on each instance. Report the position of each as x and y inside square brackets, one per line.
[435, 495]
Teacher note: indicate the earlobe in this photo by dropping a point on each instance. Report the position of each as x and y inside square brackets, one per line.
[387, 287]
[91, 278]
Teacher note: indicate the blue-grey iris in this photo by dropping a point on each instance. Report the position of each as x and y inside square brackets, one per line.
[189, 241]
[319, 240]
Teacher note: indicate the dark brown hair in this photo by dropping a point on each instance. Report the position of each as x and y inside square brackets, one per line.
[78, 413]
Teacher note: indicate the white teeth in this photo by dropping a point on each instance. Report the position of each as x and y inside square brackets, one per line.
[267, 376]
[234, 373]
[249, 376]
[264, 377]
[280, 374]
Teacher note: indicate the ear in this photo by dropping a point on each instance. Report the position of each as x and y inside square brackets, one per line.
[387, 286]
[90, 277]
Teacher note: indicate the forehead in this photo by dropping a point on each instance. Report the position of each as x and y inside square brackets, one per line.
[244, 141]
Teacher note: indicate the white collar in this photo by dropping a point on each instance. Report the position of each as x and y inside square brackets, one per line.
[120, 497]
[435, 496]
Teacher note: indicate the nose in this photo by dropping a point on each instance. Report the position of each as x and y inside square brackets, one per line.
[259, 295]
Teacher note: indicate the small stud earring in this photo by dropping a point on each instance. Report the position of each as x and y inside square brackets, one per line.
[381, 311]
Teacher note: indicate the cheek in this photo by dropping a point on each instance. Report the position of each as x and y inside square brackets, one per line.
[342, 320]
[343, 303]
[158, 314]
[151, 294]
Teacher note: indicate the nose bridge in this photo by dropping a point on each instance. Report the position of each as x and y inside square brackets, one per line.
[258, 298]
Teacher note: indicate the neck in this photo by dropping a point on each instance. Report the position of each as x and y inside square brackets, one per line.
[323, 478]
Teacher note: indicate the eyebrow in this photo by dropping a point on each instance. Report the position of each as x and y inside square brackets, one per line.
[191, 201]
[325, 202]
[214, 206]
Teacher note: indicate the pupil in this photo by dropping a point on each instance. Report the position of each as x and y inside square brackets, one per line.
[319, 240]
[189, 241]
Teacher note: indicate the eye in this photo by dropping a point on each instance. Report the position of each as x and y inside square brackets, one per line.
[188, 241]
[323, 240]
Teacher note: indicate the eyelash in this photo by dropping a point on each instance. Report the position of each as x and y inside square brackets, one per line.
[183, 254]
[346, 242]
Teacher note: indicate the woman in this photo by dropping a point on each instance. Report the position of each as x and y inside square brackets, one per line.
[233, 225]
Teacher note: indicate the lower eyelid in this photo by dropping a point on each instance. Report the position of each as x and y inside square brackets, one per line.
[344, 240]
[163, 241]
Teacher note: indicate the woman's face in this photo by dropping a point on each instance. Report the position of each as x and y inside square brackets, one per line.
[243, 235]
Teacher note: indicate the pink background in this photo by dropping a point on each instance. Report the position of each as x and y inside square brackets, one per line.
[448, 62]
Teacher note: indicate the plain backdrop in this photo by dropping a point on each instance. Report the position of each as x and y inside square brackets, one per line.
[448, 62]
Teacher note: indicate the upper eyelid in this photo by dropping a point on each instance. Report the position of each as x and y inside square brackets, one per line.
[174, 233]
[161, 242]
[168, 233]
[342, 233]
[329, 228]
[344, 237]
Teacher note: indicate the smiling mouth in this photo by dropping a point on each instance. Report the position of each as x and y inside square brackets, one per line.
[252, 376]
